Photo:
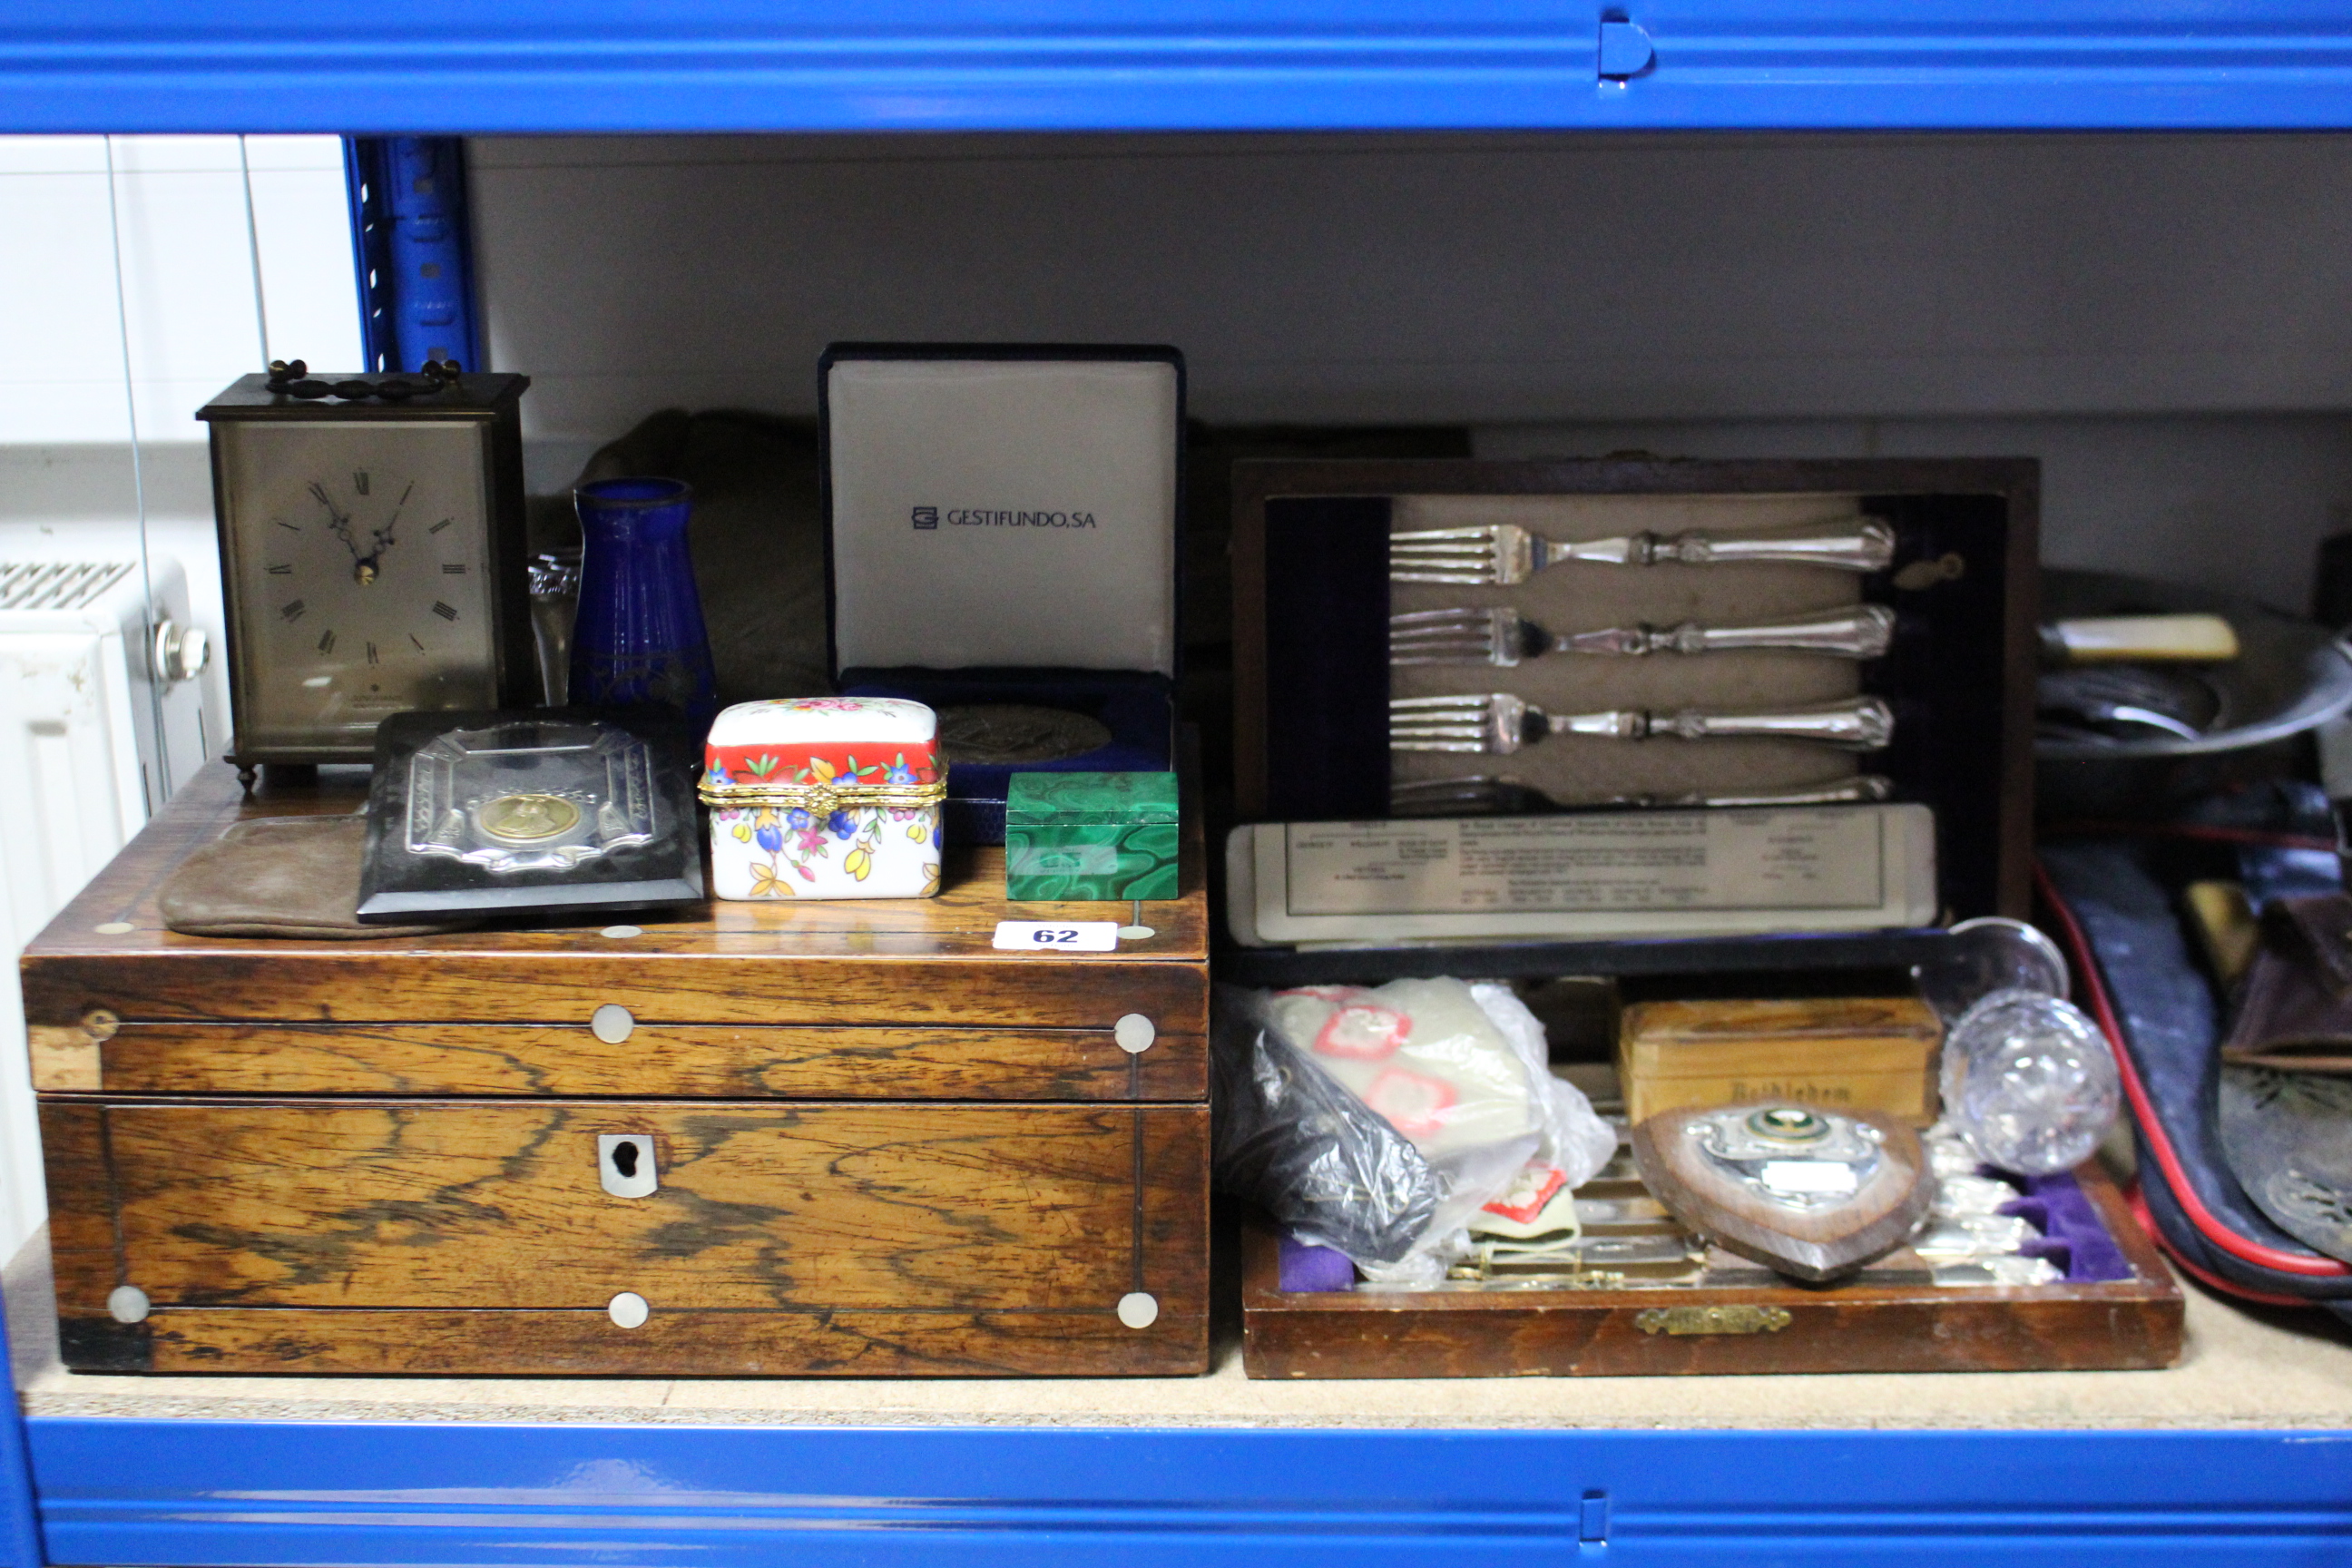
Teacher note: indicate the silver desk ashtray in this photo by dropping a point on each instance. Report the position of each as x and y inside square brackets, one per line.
[534, 796]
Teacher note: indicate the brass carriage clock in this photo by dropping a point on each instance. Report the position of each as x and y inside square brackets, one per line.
[371, 541]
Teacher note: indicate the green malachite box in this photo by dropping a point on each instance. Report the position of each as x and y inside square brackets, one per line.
[1090, 836]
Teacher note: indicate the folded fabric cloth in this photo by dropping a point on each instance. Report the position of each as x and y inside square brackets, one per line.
[277, 876]
[2296, 1011]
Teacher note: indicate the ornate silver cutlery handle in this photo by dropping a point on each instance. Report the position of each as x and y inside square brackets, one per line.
[1505, 554]
[1862, 632]
[1860, 789]
[1499, 723]
[1861, 726]
[1868, 547]
[1502, 636]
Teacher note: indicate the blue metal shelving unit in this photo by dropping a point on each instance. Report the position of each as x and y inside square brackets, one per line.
[195, 1491]
[198, 1492]
[413, 251]
[443, 65]
[20, 1529]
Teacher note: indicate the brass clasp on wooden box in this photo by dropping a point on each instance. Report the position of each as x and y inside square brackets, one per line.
[1735, 1318]
[822, 800]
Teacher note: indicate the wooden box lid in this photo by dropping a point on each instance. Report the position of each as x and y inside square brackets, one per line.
[1710, 1022]
[925, 963]
[1840, 1051]
[1695, 1036]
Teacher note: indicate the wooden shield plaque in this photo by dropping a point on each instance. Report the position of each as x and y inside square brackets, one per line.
[1809, 1193]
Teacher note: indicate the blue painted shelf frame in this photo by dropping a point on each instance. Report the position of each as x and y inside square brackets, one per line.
[126, 1491]
[425, 67]
[198, 1492]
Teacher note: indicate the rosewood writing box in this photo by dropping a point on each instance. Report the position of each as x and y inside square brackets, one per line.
[826, 1138]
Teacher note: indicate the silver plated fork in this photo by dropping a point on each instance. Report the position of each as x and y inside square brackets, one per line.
[1502, 636]
[1506, 554]
[1498, 724]
[1480, 795]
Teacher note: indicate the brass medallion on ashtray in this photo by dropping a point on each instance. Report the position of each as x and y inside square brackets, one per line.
[1808, 1192]
[530, 794]
[526, 818]
[1012, 734]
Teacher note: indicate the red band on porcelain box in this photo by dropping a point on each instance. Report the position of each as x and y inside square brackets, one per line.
[842, 763]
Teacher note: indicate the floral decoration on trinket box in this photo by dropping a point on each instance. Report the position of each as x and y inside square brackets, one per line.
[825, 797]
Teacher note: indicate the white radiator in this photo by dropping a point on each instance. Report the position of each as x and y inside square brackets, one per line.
[98, 721]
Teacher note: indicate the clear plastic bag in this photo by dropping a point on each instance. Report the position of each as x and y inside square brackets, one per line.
[1577, 1143]
[1289, 1137]
[1378, 1122]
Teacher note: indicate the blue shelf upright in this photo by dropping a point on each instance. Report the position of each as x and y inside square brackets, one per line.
[20, 1526]
[413, 251]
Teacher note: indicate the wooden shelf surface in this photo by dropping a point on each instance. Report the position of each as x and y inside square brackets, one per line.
[2243, 1370]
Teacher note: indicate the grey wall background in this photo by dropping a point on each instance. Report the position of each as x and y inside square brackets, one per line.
[2163, 320]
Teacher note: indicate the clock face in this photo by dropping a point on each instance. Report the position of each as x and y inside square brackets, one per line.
[360, 566]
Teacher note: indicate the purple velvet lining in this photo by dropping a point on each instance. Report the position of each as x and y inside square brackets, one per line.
[2072, 1237]
[1306, 1266]
[2071, 1234]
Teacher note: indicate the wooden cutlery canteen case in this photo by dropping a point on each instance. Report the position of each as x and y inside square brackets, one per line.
[843, 1138]
[1313, 597]
[1314, 592]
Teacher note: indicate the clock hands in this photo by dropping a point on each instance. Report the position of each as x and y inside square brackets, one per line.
[336, 521]
[364, 567]
[383, 534]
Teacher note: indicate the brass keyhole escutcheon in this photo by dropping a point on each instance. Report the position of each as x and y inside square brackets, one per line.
[625, 1164]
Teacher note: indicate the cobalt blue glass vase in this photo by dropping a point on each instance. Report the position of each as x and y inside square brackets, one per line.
[639, 639]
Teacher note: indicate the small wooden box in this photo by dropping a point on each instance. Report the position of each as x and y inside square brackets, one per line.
[1885, 1320]
[879, 1146]
[1847, 1053]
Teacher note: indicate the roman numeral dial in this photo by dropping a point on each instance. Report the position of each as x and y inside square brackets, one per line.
[361, 575]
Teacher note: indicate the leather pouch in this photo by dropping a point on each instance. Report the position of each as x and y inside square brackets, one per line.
[2295, 1010]
[277, 876]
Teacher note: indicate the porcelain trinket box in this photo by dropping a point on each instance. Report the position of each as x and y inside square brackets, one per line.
[825, 797]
